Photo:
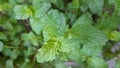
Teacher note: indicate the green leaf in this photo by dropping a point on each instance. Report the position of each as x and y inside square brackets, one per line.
[111, 1]
[30, 51]
[115, 36]
[117, 65]
[109, 23]
[117, 6]
[14, 54]
[48, 52]
[19, 1]
[22, 12]
[85, 19]
[40, 8]
[91, 38]
[1, 46]
[7, 51]
[84, 7]
[57, 3]
[8, 25]
[9, 64]
[60, 65]
[69, 48]
[5, 6]
[36, 25]
[76, 3]
[68, 44]
[57, 48]
[96, 62]
[2, 36]
[96, 6]
[31, 37]
[26, 65]
[72, 47]
[54, 23]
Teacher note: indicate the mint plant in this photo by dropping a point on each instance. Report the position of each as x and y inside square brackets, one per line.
[51, 33]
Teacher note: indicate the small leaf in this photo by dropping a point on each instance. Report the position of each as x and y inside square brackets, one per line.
[96, 62]
[111, 1]
[58, 48]
[31, 37]
[85, 19]
[54, 23]
[57, 3]
[30, 51]
[115, 36]
[117, 6]
[26, 65]
[90, 38]
[40, 8]
[9, 64]
[96, 6]
[36, 25]
[14, 54]
[48, 52]
[117, 65]
[109, 23]
[22, 12]
[1, 46]
[5, 7]
[76, 3]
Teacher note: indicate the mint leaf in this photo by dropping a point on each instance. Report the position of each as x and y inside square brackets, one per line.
[109, 23]
[85, 19]
[117, 6]
[36, 25]
[54, 23]
[111, 1]
[48, 52]
[26, 65]
[31, 37]
[115, 36]
[9, 63]
[96, 62]
[117, 65]
[22, 12]
[91, 38]
[1, 46]
[14, 54]
[56, 48]
[5, 6]
[40, 8]
[76, 3]
[96, 6]
[68, 44]
[57, 3]
[2, 36]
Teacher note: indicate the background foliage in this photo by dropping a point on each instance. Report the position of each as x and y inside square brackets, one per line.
[59, 33]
